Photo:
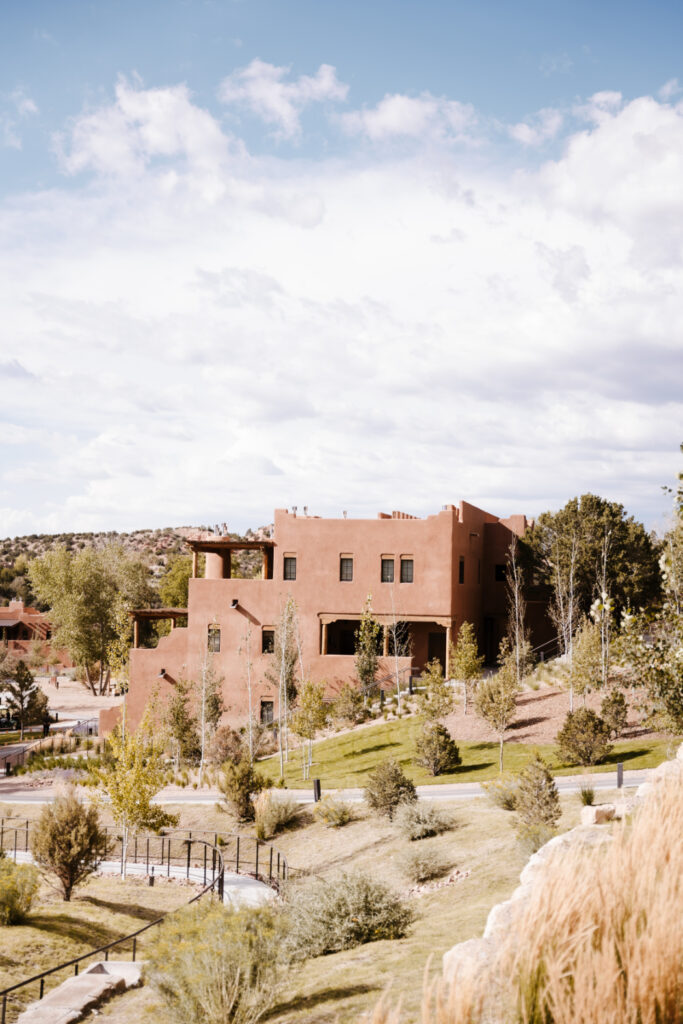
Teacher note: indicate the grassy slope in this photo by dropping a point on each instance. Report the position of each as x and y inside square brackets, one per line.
[344, 761]
[100, 911]
[346, 985]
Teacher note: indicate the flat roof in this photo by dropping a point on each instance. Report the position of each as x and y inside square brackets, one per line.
[225, 544]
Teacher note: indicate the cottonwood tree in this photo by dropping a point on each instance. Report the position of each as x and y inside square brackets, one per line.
[208, 691]
[68, 842]
[283, 673]
[181, 724]
[131, 778]
[437, 699]
[464, 660]
[311, 715]
[587, 659]
[494, 700]
[367, 658]
[517, 631]
[25, 699]
[89, 593]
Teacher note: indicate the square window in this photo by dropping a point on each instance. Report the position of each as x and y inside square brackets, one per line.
[214, 639]
[346, 569]
[461, 570]
[267, 641]
[501, 573]
[406, 570]
[387, 570]
[267, 712]
[289, 572]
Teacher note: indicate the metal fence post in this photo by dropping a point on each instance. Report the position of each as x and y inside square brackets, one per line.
[204, 863]
[189, 853]
[237, 857]
[26, 842]
[270, 867]
[168, 863]
[147, 854]
[135, 851]
[620, 774]
[135, 941]
[42, 988]
[256, 871]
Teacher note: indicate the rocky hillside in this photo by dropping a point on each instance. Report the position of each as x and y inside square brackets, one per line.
[155, 547]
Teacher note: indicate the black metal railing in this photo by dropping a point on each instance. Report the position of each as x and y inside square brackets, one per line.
[213, 881]
[243, 855]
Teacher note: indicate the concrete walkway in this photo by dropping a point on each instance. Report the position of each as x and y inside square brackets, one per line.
[238, 890]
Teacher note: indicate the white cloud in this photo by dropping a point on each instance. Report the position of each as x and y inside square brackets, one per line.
[418, 117]
[14, 107]
[670, 89]
[556, 64]
[262, 88]
[542, 127]
[600, 106]
[320, 332]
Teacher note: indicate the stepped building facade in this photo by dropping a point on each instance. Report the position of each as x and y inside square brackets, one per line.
[429, 574]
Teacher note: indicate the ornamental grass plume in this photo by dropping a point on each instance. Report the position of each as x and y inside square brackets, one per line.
[599, 941]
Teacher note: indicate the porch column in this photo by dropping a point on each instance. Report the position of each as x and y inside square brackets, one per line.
[449, 631]
[324, 639]
[194, 565]
[264, 568]
[136, 632]
[385, 641]
[172, 622]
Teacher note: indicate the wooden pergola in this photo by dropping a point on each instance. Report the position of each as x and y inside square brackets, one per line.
[224, 547]
[139, 615]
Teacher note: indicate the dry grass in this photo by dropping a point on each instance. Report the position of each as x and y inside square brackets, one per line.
[600, 942]
[101, 910]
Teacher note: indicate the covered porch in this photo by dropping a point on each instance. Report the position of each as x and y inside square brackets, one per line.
[422, 638]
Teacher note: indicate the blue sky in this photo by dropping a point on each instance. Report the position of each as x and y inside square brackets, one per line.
[357, 255]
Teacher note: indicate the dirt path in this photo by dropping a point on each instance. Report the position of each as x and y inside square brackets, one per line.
[72, 699]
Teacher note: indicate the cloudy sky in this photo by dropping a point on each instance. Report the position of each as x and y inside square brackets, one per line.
[361, 255]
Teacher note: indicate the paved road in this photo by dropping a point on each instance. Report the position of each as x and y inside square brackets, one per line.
[18, 790]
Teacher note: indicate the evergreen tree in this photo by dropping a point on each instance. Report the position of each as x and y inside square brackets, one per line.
[68, 842]
[25, 699]
[437, 700]
[367, 658]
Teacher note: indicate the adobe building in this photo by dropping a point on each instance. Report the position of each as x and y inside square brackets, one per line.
[431, 574]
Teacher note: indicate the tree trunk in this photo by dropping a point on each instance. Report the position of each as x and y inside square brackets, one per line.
[91, 681]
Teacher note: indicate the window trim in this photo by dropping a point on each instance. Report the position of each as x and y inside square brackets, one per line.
[213, 633]
[407, 560]
[344, 562]
[287, 561]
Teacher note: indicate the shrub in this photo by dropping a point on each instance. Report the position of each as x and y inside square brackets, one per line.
[502, 791]
[614, 713]
[226, 745]
[350, 706]
[18, 887]
[239, 783]
[333, 812]
[68, 842]
[273, 812]
[532, 837]
[387, 787]
[587, 796]
[328, 915]
[213, 965]
[584, 737]
[537, 801]
[420, 820]
[423, 863]
[435, 750]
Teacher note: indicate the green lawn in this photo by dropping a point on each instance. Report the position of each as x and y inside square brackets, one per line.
[344, 761]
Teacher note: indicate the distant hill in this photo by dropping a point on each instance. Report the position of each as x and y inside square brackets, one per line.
[155, 547]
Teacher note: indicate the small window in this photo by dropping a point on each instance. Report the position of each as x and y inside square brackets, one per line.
[267, 641]
[406, 570]
[267, 712]
[501, 574]
[289, 568]
[214, 639]
[346, 569]
[461, 570]
[387, 570]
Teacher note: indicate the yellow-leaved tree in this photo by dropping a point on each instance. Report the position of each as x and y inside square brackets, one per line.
[130, 779]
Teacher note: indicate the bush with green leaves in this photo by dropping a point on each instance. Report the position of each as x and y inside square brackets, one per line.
[423, 863]
[273, 812]
[387, 787]
[583, 738]
[214, 965]
[349, 705]
[435, 750]
[587, 796]
[614, 713]
[18, 887]
[420, 820]
[502, 791]
[333, 812]
[239, 783]
[68, 842]
[328, 915]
